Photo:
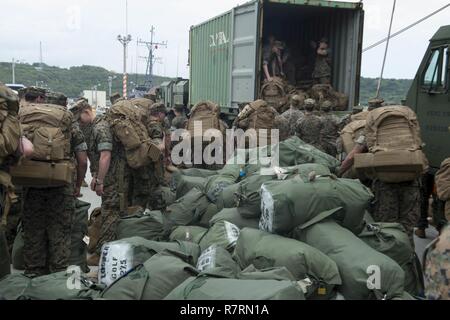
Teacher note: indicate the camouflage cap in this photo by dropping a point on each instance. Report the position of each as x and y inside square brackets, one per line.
[358, 108]
[158, 107]
[296, 97]
[375, 103]
[33, 92]
[150, 96]
[114, 97]
[310, 101]
[56, 98]
[79, 107]
[327, 104]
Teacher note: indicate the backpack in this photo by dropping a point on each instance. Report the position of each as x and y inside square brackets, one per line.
[259, 115]
[395, 146]
[10, 128]
[48, 127]
[351, 133]
[274, 93]
[125, 120]
[208, 113]
[443, 181]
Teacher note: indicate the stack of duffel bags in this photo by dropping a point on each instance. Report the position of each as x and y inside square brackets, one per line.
[253, 232]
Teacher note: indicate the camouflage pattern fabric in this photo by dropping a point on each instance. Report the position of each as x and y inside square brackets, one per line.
[282, 124]
[14, 218]
[397, 202]
[308, 129]
[179, 122]
[322, 70]
[292, 115]
[329, 133]
[437, 268]
[46, 230]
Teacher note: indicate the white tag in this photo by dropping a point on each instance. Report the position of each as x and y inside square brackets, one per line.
[86, 240]
[207, 259]
[232, 232]
[115, 261]
[267, 210]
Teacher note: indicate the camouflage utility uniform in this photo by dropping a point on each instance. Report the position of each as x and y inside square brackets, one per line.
[396, 202]
[437, 268]
[308, 129]
[329, 132]
[179, 122]
[115, 185]
[47, 222]
[293, 115]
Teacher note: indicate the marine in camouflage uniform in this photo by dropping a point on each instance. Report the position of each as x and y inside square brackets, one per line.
[308, 128]
[437, 268]
[116, 180]
[293, 114]
[146, 181]
[179, 122]
[322, 67]
[27, 95]
[47, 223]
[330, 129]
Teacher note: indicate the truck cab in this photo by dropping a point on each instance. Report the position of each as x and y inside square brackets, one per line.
[429, 97]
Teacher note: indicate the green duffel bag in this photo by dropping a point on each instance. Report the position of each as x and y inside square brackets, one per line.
[119, 257]
[210, 212]
[188, 210]
[278, 273]
[197, 172]
[232, 215]
[248, 195]
[12, 286]
[188, 233]
[182, 184]
[216, 261]
[294, 151]
[64, 285]
[150, 225]
[209, 288]
[226, 199]
[295, 202]
[154, 279]
[78, 247]
[167, 195]
[392, 240]
[223, 234]
[365, 272]
[5, 260]
[265, 250]
[214, 185]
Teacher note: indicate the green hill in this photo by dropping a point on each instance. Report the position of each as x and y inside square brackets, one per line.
[74, 80]
[70, 81]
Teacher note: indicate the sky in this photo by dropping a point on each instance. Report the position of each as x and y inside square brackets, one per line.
[84, 32]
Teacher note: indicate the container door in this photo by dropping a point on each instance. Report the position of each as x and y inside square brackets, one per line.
[243, 53]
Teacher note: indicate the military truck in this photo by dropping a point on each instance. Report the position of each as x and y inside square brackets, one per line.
[174, 92]
[225, 54]
[429, 97]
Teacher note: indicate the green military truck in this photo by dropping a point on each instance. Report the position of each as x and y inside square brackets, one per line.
[429, 97]
[226, 51]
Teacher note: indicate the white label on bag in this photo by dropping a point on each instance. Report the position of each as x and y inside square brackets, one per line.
[232, 233]
[267, 210]
[115, 261]
[207, 259]
[86, 240]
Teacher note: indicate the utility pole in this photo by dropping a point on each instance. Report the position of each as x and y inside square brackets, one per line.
[151, 46]
[124, 40]
[110, 79]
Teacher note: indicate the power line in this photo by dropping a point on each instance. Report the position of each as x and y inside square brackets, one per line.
[406, 28]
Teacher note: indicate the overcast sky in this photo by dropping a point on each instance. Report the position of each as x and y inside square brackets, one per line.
[77, 32]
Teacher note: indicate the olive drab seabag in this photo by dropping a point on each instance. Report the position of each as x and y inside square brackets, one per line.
[395, 146]
[207, 114]
[125, 120]
[48, 127]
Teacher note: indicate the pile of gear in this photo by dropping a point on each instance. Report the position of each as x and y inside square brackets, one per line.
[221, 236]
[278, 93]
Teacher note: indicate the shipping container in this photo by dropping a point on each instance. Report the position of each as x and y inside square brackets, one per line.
[225, 55]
